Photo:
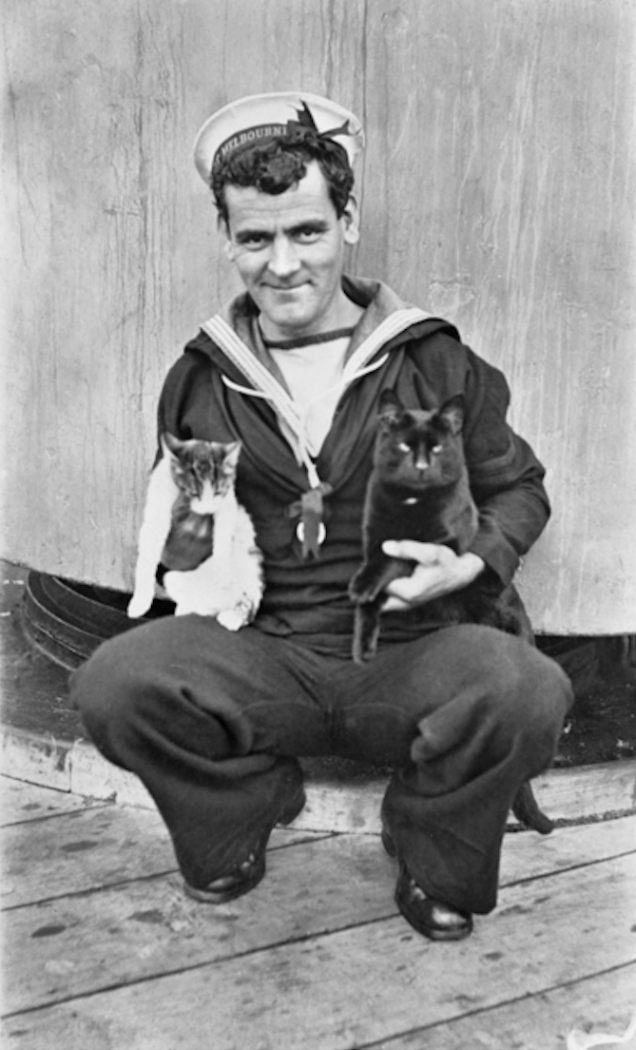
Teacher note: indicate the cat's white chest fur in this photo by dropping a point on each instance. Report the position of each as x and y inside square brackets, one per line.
[228, 584]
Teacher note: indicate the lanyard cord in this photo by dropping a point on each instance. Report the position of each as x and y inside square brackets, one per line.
[299, 430]
[265, 385]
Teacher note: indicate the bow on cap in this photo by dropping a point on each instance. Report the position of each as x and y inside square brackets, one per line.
[306, 123]
[261, 118]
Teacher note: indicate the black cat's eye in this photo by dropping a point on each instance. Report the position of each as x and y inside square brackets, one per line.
[403, 447]
[436, 449]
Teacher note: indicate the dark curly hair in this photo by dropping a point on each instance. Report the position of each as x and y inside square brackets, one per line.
[280, 164]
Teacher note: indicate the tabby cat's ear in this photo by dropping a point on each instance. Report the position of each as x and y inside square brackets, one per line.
[170, 444]
[232, 453]
[390, 408]
[453, 412]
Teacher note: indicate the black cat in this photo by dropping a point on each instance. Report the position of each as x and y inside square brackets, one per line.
[419, 490]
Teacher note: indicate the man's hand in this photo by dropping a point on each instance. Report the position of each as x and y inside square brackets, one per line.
[438, 571]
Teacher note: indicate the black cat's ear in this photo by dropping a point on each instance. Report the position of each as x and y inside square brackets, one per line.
[453, 412]
[170, 444]
[390, 408]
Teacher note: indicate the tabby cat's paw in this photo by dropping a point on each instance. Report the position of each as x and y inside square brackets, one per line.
[138, 605]
[233, 619]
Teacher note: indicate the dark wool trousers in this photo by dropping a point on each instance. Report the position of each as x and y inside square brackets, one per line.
[213, 721]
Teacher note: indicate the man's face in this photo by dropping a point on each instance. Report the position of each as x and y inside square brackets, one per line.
[289, 251]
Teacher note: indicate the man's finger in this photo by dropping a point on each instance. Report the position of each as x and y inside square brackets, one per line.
[413, 550]
[394, 604]
[423, 584]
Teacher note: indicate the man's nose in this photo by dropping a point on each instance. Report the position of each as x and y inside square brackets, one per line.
[283, 260]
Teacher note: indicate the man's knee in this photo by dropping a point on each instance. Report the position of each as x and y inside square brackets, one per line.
[108, 688]
[528, 693]
[518, 685]
[506, 697]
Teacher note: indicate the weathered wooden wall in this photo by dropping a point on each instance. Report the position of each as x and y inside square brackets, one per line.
[498, 190]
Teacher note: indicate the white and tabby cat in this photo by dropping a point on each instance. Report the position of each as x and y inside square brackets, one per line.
[195, 527]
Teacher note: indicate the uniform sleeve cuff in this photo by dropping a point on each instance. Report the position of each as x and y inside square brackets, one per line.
[499, 556]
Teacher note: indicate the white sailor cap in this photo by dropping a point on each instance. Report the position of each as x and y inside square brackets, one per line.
[258, 119]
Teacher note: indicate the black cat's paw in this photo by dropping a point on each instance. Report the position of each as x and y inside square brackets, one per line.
[362, 595]
[362, 588]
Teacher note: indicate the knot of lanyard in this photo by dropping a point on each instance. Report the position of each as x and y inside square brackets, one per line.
[310, 508]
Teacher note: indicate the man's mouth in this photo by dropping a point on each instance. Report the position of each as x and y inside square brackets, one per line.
[285, 287]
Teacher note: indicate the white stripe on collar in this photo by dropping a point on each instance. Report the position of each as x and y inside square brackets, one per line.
[266, 385]
[240, 354]
[393, 325]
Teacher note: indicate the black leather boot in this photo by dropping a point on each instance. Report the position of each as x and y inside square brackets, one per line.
[430, 917]
[247, 874]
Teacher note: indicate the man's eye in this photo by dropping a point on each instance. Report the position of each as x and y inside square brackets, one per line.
[308, 234]
[251, 240]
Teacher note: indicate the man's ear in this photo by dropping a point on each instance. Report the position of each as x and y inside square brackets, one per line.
[351, 217]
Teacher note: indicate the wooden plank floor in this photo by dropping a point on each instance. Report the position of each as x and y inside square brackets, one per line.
[102, 951]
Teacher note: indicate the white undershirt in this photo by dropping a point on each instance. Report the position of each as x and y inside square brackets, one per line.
[313, 375]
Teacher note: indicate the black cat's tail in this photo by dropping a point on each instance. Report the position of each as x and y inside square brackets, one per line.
[526, 809]
[366, 631]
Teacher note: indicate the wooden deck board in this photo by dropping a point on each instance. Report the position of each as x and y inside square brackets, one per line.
[115, 843]
[359, 985]
[82, 851]
[147, 927]
[120, 843]
[20, 801]
[102, 950]
[527, 855]
[603, 1003]
[142, 929]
